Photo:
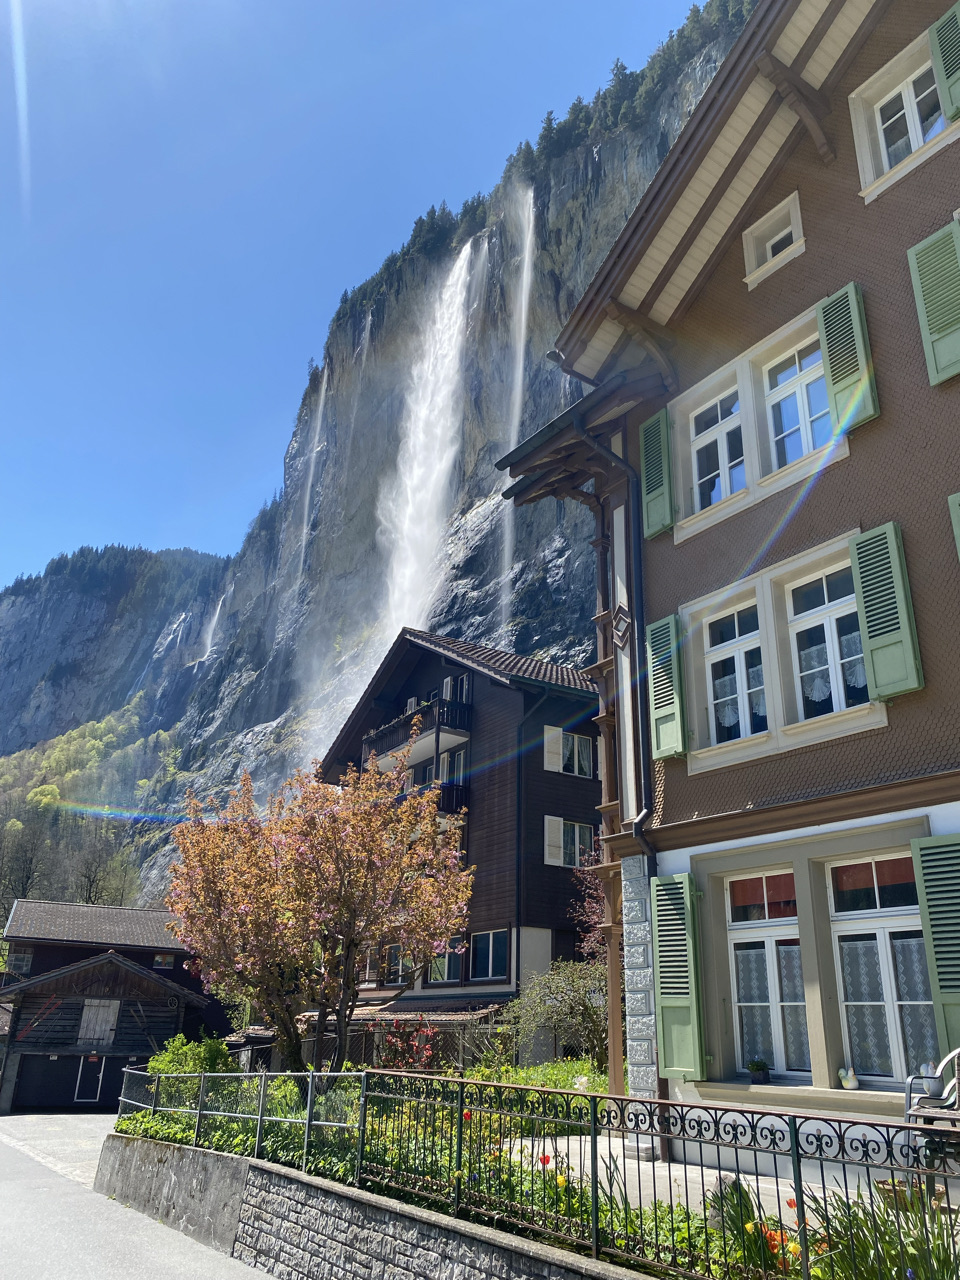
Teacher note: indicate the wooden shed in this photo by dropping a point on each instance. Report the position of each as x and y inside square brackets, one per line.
[74, 1029]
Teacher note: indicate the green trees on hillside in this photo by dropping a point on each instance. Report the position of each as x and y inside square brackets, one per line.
[68, 810]
[628, 99]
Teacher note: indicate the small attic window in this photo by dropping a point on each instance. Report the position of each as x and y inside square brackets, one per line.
[163, 960]
[773, 241]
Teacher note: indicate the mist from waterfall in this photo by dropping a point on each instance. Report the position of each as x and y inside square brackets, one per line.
[414, 503]
[311, 468]
[521, 313]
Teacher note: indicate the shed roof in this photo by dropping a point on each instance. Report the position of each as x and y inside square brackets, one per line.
[32, 920]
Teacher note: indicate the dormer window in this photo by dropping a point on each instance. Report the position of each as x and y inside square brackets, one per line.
[773, 241]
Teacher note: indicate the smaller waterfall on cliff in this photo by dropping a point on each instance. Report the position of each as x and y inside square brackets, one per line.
[521, 311]
[210, 630]
[413, 504]
[311, 468]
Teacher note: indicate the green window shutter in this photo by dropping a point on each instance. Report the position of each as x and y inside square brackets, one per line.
[665, 688]
[935, 271]
[945, 47]
[847, 365]
[887, 629]
[655, 482]
[676, 977]
[936, 862]
[953, 503]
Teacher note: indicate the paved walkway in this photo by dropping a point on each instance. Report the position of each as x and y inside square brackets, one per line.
[54, 1225]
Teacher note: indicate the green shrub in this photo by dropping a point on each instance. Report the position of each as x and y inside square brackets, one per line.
[181, 1056]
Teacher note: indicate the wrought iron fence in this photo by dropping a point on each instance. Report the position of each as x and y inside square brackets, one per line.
[682, 1189]
[309, 1121]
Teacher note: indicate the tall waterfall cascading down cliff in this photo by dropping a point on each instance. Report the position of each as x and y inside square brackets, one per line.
[391, 511]
[521, 314]
[414, 502]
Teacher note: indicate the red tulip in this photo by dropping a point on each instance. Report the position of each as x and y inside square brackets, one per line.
[544, 1160]
[466, 1116]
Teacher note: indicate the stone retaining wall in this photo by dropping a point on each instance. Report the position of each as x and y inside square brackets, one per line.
[301, 1228]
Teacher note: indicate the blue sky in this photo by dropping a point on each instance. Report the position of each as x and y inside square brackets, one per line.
[205, 179]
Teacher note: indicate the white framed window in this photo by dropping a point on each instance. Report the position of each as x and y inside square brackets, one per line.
[567, 843]
[767, 972]
[578, 755]
[909, 117]
[489, 954]
[428, 774]
[738, 704]
[458, 768]
[98, 1021]
[828, 663]
[798, 411]
[567, 752]
[898, 119]
[752, 428]
[577, 844]
[888, 1017]
[447, 967]
[719, 468]
[463, 688]
[773, 241]
[807, 684]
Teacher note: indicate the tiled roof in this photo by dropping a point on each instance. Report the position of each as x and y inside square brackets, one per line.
[500, 663]
[78, 922]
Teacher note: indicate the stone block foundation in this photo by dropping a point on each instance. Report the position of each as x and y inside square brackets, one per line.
[291, 1225]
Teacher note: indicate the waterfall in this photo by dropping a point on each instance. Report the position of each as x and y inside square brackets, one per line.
[521, 311]
[413, 504]
[210, 631]
[311, 467]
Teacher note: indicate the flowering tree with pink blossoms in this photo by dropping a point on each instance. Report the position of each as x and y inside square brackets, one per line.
[281, 907]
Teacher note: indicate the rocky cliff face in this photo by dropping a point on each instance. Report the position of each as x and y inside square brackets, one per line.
[259, 669]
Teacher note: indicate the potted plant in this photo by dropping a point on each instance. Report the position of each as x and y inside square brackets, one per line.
[759, 1071]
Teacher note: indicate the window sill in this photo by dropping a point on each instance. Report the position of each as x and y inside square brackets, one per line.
[781, 260]
[789, 737]
[913, 161]
[794, 473]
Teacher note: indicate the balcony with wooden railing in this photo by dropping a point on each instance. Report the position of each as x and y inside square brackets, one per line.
[444, 726]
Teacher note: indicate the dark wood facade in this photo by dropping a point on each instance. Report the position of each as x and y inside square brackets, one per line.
[505, 787]
[74, 1029]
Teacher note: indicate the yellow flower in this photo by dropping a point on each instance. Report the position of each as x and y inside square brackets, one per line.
[748, 1227]
[561, 1181]
[794, 1248]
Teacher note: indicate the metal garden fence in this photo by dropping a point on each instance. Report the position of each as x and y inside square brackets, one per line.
[681, 1189]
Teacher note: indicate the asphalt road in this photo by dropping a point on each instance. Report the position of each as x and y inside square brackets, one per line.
[53, 1226]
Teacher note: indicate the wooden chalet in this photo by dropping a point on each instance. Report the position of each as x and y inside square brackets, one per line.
[511, 740]
[90, 991]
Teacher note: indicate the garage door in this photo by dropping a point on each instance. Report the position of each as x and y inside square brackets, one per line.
[45, 1083]
[68, 1082]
